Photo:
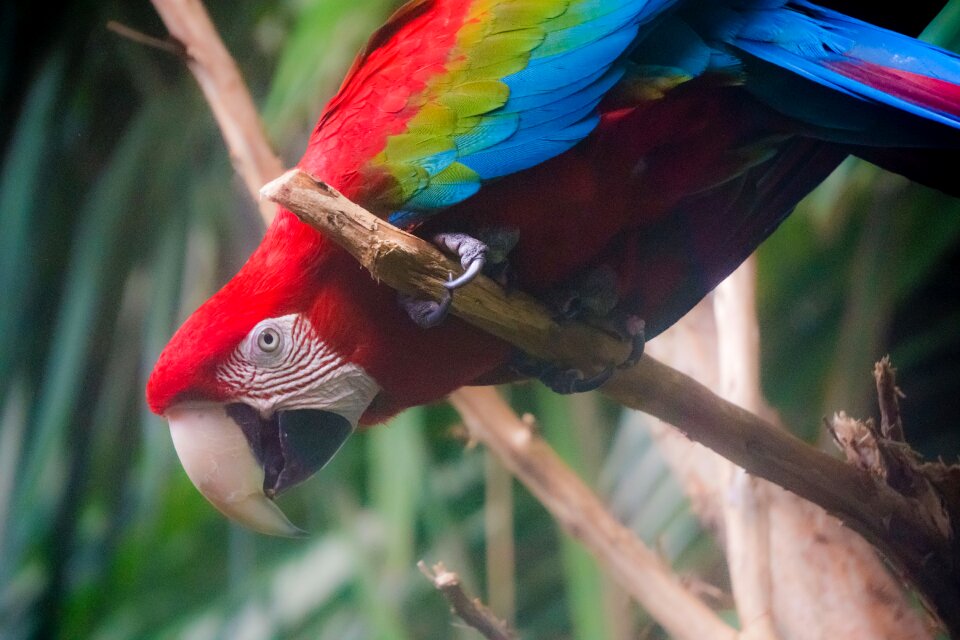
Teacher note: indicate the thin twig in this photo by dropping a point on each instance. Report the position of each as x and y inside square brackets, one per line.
[498, 531]
[470, 610]
[888, 395]
[167, 45]
[745, 507]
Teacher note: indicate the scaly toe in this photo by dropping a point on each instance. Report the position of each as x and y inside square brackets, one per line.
[426, 313]
[563, 381]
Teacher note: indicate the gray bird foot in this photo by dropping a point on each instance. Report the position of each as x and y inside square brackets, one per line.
[634, 329]
[471, 251]
[486, 252]
[426, 313]
[558, 379]
[566, 381]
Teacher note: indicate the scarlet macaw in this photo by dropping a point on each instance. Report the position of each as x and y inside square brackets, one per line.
[646, 145]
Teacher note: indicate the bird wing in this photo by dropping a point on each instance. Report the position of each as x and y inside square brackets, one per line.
[451, 93]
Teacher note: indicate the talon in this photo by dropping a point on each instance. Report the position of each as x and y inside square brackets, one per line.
[472, 254]
[427, 313]
[485, 254]
[563, 381]
[636, 332]
[572, 381]
[468, 276]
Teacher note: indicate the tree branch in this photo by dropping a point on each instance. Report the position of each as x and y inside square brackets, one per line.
[636, 568]
[167, 45]
[902, 527]
[416, 267]
[470, 610]
[226, 93]
[797, 573]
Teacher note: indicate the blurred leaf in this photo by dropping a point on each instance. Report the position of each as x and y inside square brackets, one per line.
[21, 211]
[584, 581]
[307, 74]
[397, 462]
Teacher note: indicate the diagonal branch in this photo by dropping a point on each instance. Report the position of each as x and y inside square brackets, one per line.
[903, 528]
[415, 267]
[470, 610]
[216, 72]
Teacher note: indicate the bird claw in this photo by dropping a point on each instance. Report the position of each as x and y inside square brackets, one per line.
[635, 329]
[472, 254]
[591, 294]
[427, 313]
[475, 255]
[567, 381]
[472, 271]
[563, 381]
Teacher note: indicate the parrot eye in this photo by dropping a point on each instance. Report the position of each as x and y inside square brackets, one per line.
[269, 340]
[270, 343]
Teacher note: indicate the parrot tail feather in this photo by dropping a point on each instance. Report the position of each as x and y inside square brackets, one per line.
[933, 94]
[861, 84]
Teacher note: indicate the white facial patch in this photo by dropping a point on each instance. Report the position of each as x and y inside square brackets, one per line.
[282, 364]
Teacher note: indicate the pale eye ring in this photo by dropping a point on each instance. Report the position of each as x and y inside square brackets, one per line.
[269, 340]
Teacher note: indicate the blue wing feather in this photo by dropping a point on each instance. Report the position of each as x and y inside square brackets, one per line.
[551, 103]
[777, 48]
[808, 41]
[524, 152]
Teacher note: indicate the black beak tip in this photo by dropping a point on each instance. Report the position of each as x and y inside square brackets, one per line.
[291, 445]
[309, 438]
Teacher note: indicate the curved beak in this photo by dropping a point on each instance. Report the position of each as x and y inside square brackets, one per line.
[240, 461]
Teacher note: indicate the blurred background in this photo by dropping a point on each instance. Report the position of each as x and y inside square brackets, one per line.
[120, 213]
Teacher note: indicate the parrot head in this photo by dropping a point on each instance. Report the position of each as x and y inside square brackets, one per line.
[256, 398]
[267, 379]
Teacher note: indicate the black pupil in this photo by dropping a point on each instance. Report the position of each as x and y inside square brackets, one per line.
[268, 339]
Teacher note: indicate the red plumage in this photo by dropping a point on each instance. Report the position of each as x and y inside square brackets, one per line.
[593, 205]
[671, 190]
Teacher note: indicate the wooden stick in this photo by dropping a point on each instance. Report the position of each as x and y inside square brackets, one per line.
[470, 610]
[903, 528]
[416, 267]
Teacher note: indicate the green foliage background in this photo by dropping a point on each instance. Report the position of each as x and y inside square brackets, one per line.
[119, 214]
